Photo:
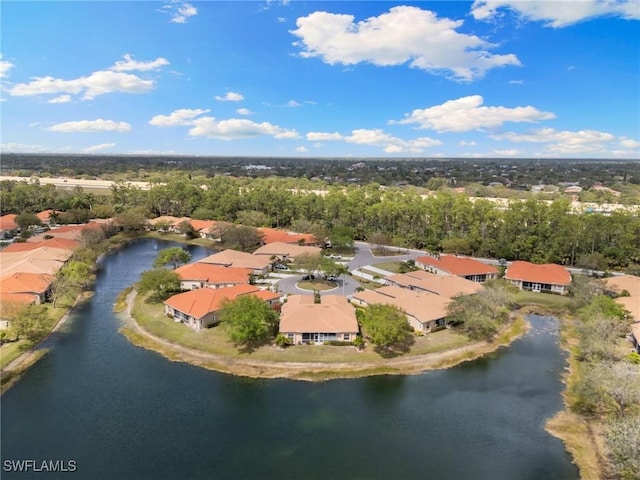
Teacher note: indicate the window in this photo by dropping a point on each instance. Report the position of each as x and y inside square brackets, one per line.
[346, 337]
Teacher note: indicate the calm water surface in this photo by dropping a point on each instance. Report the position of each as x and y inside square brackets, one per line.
[122, 412]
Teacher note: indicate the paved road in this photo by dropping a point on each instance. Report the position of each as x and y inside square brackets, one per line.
[346, 286]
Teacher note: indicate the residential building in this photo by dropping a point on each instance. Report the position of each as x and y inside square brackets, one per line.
[464, 267]
[8, 225]
[448, 286]
[425, 311]
[273, 235]
[199, 308]
[206, 275]
[286, 251]
[548, 278]
[303, 321]
[258, 264]
[36, 285]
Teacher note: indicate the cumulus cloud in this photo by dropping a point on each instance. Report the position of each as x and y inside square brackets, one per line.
[229, 129]
[293, 104]
[84, 126]
[61, 99]
[243, 111]
[98, 148]
[179, 11]
[557, 14]
[467, 143]
[235, 128]
[5, 66]
[467, 113]
[230, 97]
[567, 142]
[183, 116]
[129, 64]
[377, 138]
[404, 35]
[97, 83]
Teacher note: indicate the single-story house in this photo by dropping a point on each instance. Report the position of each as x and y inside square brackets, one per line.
[548, 278]
[425, 311]
[464, 267]
[11, 264]
[631, 305]
[70, 232]
[258, 264]
[37, 285]
[303, 321]
[52, 243]
[448, 286]
[286, 251]
[215, 231]
[8, 225]
[206, 275]
[273, 235]
[199, 308]
[167, 223]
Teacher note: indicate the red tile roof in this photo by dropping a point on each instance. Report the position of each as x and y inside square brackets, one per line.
[272, 235]
[198, 303]
[210, 273]
[333, 315]
[59, 243]
[45, 215]
[198, 225]
[8, 222]
[34, 283]
[549, 273]
[460, 266]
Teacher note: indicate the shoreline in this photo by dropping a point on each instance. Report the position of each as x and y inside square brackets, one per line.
[313, 371]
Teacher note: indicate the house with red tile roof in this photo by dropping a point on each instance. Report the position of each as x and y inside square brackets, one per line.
[548, 278]
[286, 251]
[37, 285]
[206, 275]
[259, 264]
[273, 235]
[199, 308]
[303, 321]
[448, 286]
[425, 311]
[8, 225]
[52, 243]
[45, 215]
[464, 267]
[69, 232]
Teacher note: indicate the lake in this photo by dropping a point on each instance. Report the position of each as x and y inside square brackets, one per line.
[122, 412]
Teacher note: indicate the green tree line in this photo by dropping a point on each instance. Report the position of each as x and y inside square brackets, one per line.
[529, 230]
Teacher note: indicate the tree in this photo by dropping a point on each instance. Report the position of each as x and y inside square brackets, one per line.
[342, 237]
[25, 220]
[387, 328]
[161, 282]
[30, 321]
[593, 262]
[623, 444]
[309, 262]
[132, 220]
[379, 239]
[253, 218]
[77, 274]
[242, 237]
[456, 246]
[174, 256]
[187, 229]
[248, 320]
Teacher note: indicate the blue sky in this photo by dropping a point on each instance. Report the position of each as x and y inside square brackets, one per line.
[490, 78]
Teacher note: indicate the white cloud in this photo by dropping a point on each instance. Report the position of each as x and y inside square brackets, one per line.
[323, 136]
[179, 11]
[557, 13]
[5, 66]
[61, 99]
[403, 35]
[301, 149]
[506, 153]
[516, 82]
[129, 64]
[98, 148]
[22, 148]
[235, 128]
[183, 116]
[244, 111]
[467, 113]
[229, 129]
[467, 143]
[566, 142]
[97, 83]
[98, 125]
[230, 97]
[293, 104]
[377, 138]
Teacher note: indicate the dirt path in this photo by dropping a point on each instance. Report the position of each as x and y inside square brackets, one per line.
[409, 364]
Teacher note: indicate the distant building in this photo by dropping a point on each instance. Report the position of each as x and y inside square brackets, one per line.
[464, 267]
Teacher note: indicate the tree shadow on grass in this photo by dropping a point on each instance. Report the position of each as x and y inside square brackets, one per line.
[396, 349]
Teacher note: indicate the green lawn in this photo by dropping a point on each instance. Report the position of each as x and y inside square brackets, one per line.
[394, 267]
[316, 285]
[547, 300]
[12, 350]
[215, 340]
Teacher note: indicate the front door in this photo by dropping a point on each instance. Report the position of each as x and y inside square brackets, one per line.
[536, 287]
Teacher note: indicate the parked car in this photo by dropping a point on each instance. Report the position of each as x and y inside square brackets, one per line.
[281, 266]
[309, 277]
